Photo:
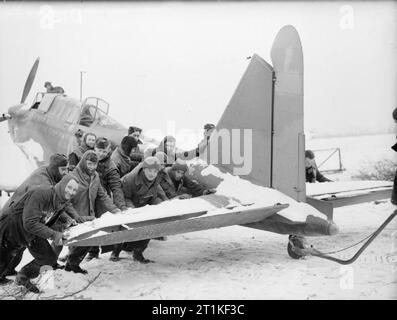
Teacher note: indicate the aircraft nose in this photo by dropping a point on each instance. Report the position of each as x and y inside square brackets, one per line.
[12, 111]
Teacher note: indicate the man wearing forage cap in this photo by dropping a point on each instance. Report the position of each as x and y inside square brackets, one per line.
[140, 187]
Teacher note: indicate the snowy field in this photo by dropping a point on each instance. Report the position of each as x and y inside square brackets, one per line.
[243, 263]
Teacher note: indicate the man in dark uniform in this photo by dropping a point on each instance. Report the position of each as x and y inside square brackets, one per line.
[140, 187]
[108, 175]
[51, 89]
[312, 172]
[175, 184]
[110, 181]
[89, 194]
[43, 176]
[88, 143]
[136, 155]
[121, 157]
[27, 224]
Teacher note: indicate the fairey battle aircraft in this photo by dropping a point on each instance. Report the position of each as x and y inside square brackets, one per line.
[267, 107]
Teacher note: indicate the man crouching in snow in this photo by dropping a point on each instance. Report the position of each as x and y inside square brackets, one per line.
[27, 224]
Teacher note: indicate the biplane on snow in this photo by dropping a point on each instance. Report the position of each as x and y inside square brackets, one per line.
[272, 196]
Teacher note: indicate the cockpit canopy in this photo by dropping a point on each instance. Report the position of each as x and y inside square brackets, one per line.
[95, 110]
[92, 111]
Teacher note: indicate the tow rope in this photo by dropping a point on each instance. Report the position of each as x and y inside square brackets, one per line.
[314, 252]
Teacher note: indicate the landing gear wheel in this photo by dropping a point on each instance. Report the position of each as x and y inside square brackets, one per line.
[298, 242]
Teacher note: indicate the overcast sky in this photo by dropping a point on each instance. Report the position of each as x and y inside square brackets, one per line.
[181, 62]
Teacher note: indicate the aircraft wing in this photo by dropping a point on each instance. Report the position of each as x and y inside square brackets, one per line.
[236, 202]
[342, 193]
[168, 218]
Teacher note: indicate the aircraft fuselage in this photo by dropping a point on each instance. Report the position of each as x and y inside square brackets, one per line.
[53, 122]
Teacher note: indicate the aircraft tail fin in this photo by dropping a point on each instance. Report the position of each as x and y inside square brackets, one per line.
[249, 109]
[263, 122]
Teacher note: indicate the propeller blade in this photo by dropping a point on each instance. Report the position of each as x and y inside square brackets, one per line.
[29, 80]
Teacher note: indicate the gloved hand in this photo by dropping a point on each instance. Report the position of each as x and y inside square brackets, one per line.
[208, 191]
[82, 219]
[72, 223]
[117, 210]
[184, 196]
[88, 218]
[58, 238]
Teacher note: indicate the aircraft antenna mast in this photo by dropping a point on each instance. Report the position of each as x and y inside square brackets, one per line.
[81, 85]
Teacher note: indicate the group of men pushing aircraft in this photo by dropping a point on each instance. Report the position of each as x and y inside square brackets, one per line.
[93, 180]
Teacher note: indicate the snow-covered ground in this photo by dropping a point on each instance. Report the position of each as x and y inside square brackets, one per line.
[243, 263]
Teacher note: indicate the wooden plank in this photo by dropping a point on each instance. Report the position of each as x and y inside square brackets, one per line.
[180, 226]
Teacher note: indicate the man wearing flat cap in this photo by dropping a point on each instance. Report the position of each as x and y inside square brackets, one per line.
[140, 187]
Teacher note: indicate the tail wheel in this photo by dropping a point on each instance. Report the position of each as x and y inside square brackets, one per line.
[295, 242]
